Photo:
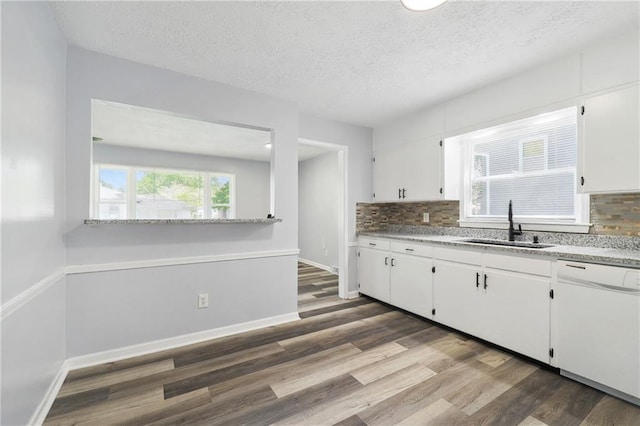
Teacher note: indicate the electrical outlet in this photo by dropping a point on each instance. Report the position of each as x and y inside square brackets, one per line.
[326, 253]
[203, 300]
[335, 269]
[425, 217]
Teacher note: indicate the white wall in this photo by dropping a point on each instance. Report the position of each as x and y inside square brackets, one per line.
[550, 86]
[33, 206]
[93, 299]
[251, 177]
[320, 189]
[358, 140]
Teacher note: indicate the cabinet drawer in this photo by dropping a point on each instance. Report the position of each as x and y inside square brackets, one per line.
[524, 265]
[373, 243]
[417, 249]
[470, 257]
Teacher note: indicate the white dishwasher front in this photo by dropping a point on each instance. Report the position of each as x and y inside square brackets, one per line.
[599, 326]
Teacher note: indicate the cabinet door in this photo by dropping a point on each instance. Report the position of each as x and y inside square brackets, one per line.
[456, 298]
[410, 284]
[373, 273]
[611, 142]
[515, 310]
[414, 167]
[388, 175]
[422, 170]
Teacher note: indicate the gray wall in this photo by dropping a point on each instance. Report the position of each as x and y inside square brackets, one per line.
[359, 171]
[251, 177]
[319, 192]
[272, 280]
[33, 206]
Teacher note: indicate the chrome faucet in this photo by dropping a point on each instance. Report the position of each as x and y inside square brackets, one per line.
[512, 231]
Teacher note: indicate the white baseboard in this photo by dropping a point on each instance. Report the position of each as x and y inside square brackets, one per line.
[174, 342]
[353, 295]
[316, 264]
[43, 408]
[41, 412]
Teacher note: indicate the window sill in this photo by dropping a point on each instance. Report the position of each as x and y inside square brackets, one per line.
[176, 221]
[582, 228]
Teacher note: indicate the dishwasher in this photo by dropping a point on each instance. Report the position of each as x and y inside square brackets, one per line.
[599, 327]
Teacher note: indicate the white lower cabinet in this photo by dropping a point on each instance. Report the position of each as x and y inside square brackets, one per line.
[410, 283]
[397, 273]
[516, 312]
[505, 307]
[373, 273]
[503, 299]
[456, 298]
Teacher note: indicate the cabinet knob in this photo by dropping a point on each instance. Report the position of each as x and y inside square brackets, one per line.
[581, 180]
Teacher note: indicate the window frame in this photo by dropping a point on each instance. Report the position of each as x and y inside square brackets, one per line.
[579, 222]
[131, 191]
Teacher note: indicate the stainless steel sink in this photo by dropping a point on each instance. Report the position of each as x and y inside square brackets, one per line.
[524, 244]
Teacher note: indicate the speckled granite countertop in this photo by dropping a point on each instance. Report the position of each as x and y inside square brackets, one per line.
[620, 251]
[175, 221]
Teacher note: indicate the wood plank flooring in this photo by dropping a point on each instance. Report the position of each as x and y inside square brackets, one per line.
[347, 362]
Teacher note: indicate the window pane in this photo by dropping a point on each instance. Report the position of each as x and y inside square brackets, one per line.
[112, 211]
[162, 194]
[531, 161]
[113, 193]
[221, 197]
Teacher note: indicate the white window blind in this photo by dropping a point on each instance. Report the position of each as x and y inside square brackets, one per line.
[530, 161]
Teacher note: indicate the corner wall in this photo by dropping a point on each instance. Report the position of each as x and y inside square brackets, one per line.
[33, 207]
[136, 284]
[359, 141]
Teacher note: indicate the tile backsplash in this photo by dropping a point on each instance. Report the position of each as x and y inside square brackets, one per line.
[611, 214]
[373, 217]
[616, 214]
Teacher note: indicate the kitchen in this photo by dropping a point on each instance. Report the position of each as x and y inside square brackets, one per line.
[83, 271]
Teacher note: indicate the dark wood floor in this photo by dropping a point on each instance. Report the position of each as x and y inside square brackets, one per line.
[348, 362]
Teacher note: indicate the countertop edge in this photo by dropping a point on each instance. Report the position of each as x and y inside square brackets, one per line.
[599, 255]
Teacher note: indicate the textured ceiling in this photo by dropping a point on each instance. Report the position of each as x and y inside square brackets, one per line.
[362, 62]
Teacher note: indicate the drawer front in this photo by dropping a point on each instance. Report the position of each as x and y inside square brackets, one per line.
[470, 257]
[416, 249]
[524, 265]
[373, 243]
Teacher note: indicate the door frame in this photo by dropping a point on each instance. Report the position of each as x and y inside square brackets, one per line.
[343, 218]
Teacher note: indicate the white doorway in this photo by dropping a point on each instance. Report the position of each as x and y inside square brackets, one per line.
[307, 150]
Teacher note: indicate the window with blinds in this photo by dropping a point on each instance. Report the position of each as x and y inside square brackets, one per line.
[531, 162]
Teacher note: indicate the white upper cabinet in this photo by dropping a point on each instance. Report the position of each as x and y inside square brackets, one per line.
[610, 149]
[409, 172]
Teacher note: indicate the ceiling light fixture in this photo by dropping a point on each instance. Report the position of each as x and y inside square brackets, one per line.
[421, 5]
